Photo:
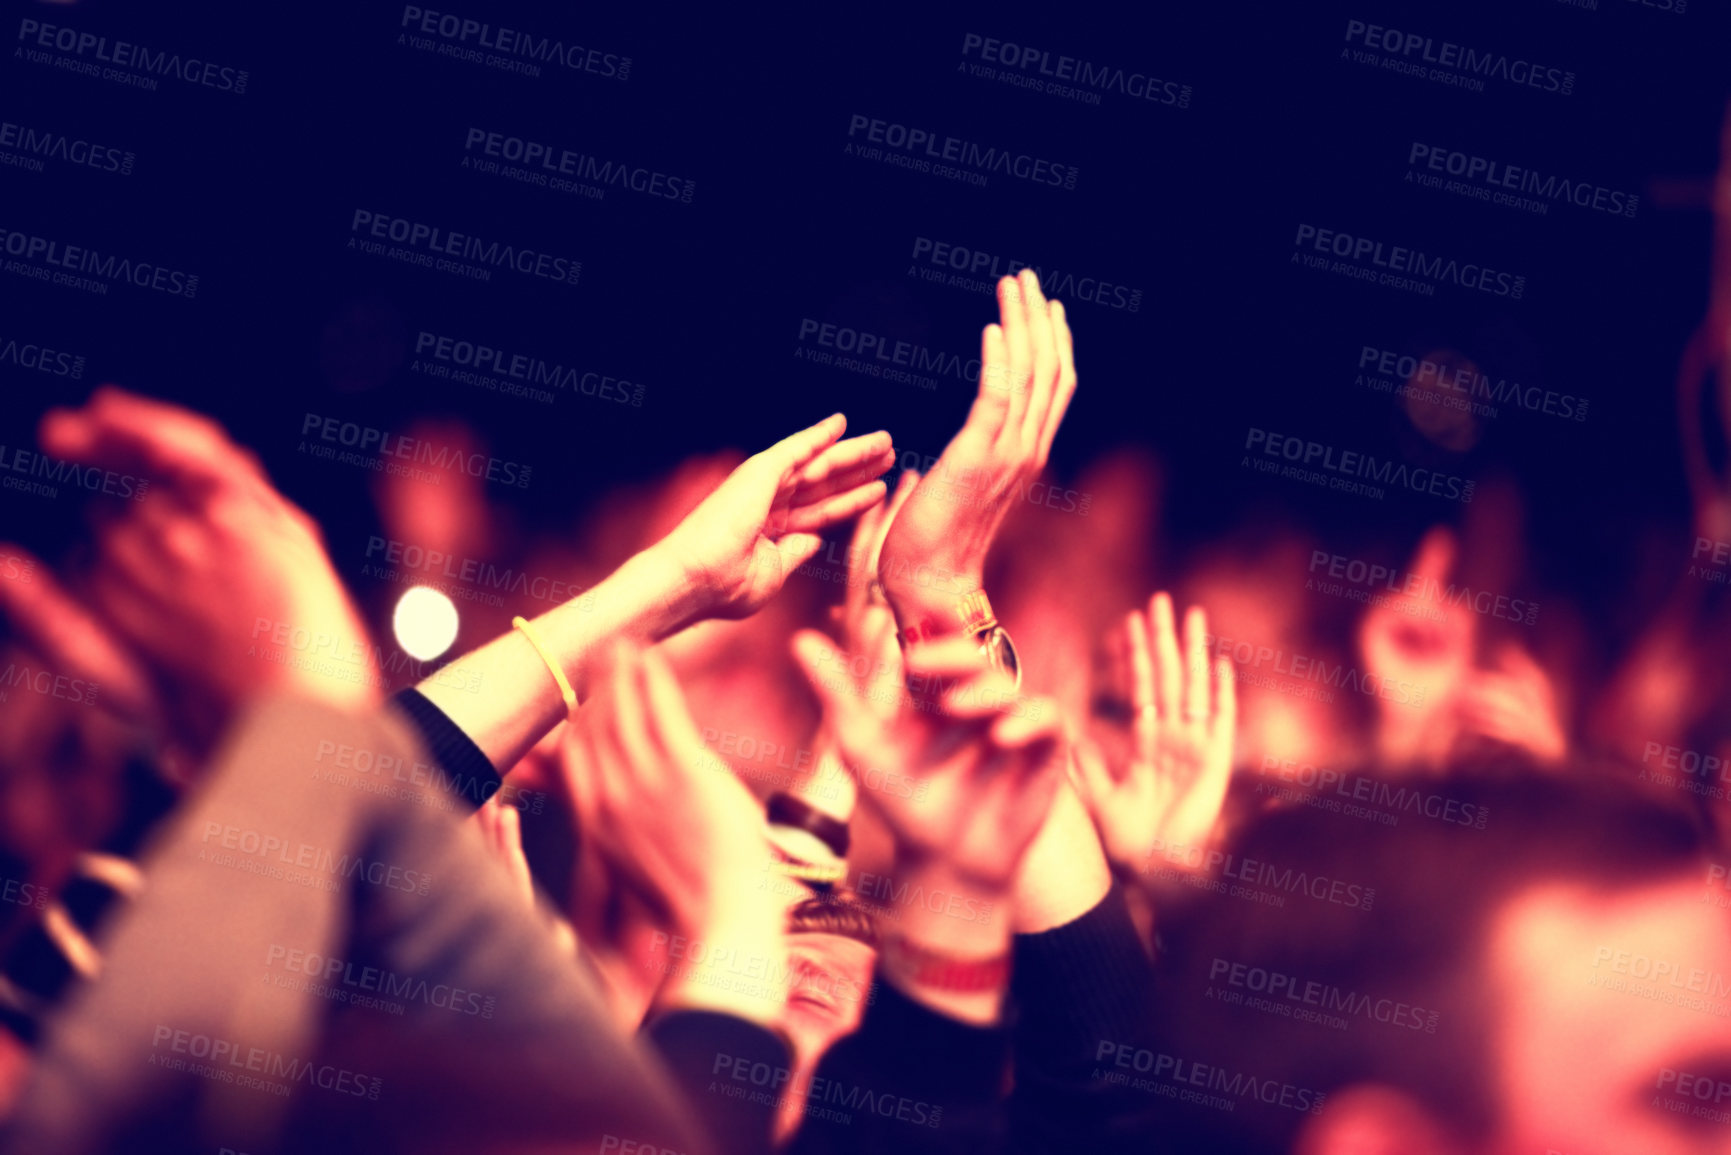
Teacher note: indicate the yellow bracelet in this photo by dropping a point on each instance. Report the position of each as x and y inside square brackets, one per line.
[807, 872]
[565, 690]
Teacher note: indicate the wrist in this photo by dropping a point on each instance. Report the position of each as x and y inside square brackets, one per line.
[949, 951]
[936, 582]
[672, 595]
[926, 610]
[729, 964]
[958, 910]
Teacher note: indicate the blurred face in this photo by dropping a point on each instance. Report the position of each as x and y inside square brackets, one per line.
[1615, 1031]
[831, 976]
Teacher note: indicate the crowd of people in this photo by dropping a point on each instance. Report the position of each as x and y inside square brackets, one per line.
[837, 815]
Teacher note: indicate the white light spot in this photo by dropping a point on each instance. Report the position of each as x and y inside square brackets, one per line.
[425, 623]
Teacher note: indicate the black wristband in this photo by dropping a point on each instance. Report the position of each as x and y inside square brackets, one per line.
[787, 810]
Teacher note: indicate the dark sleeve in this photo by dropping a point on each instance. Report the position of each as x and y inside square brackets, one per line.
[909, 1081]
[730, 1071]
[467, 772]
[1081, 991]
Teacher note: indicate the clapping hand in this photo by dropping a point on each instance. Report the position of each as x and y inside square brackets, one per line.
[946, 529]
[689, 843]
[203, 564]
[740, 544]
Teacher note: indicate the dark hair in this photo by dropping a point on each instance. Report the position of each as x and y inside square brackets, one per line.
[837, 913]
[1409, 927]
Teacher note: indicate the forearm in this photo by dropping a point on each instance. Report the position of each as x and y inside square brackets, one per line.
[974, 991]
[518, 702]
[1065, 873]
[738, 969]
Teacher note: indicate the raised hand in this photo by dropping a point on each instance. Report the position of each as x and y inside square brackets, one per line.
[987, 758]
[1515, 704]
[937, 545]
[738, 546]
[985, 766]
[687, 841]
[1163, 790]
[208, 563]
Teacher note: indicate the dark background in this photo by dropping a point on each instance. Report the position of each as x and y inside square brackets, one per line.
[701, 302]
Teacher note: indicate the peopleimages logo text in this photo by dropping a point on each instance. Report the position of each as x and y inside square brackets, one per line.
[1497, 175]
[510, 43]
[1459, 58]
[556, 161]
[112, 267]
[420, 451]
[1139, 85]
[928, 144]
[123, 54]
[1354, 463]
[434, 239]
[34, 144]
[1415, 262]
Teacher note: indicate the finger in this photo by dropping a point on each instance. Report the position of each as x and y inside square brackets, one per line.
[1145, 720]
[511, 842]
[586, 770]
[871, 451]
[1044, 383]
[867, 530]
[1195, 664]
[1033, 729]
[834, 510]
[825, 669]
[1435, 556]
[884, 517]
[489, 819]
[631, 723]
[578, 762]
[1013, 314]
[124, 432]
[1223, 724]
[1089, 773]
[795, 451]
[1513, 661]
[58, 626]
[1168, 672]
[949, 657]
[1066, 378]
[1209, 791]
[795, 549]
[905, 485]
[979, 694]
[840, 481]
[669, 711]
[136, 558]
[991, 408]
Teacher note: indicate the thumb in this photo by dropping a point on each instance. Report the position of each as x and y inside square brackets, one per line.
[796, 549]
[1435, 556]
